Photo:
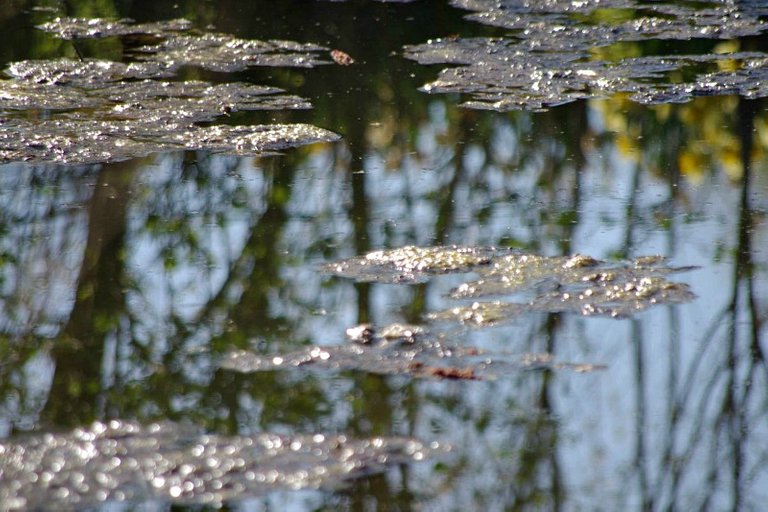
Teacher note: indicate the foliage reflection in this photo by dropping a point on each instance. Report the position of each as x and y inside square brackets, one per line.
[123, 284]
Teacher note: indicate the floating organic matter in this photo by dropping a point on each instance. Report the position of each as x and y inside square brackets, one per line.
[549, 57]
[91, 28]
[411, 264]
[124, 461]
[105, 111]
[224, 53]
[341, 58]
[576, 283]
[399, 350]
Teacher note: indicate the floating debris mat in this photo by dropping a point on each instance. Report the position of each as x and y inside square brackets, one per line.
[553, 53]
[124, 461]
[576, 283]
[399, 349]
[560, 284]
[103, 111]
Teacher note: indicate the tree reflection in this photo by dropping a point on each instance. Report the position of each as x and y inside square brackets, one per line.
[42, 231]
[720, 395]
[77, 391]
[130, 281]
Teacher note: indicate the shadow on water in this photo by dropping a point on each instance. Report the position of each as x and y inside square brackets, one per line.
[124, 284]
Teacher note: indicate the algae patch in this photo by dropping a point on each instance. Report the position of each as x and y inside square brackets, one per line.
[577, 283]
[226, 54]
[101, 111]
[618, 298]
[90, 28]
[124, 461]
[179, 45]
[411, 264]
[398, 349]
[549, 57]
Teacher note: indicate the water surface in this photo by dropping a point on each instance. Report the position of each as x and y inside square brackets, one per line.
[126, 279]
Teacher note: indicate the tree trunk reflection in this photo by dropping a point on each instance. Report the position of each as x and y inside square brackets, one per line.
[78, 392]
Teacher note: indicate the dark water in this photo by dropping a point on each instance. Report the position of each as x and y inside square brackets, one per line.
[123, 284]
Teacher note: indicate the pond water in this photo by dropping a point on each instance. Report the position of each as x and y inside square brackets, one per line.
[483, 256]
